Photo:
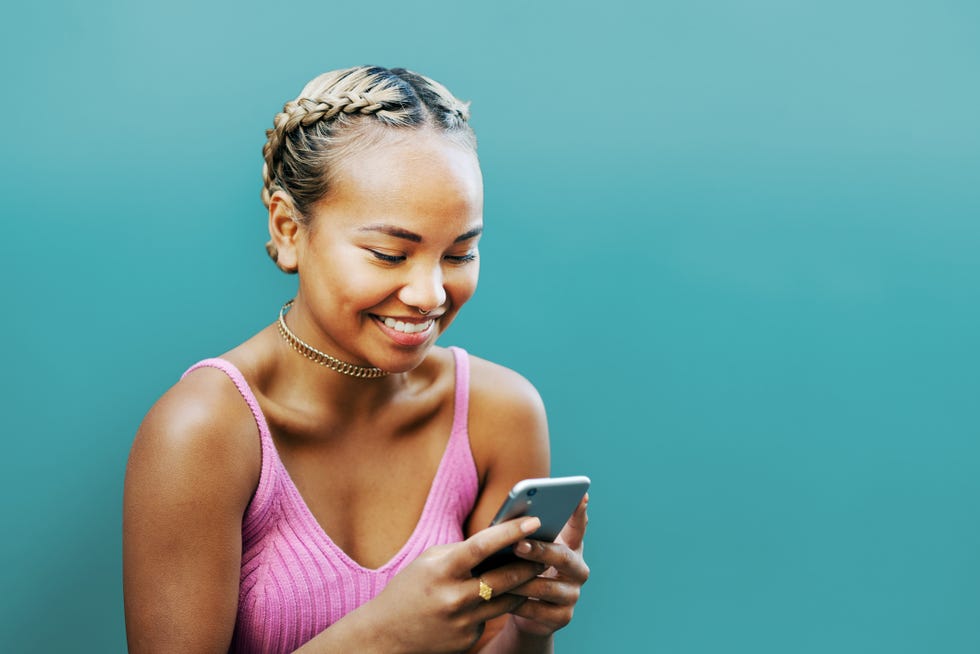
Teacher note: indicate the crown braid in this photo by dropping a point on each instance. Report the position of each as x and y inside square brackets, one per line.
[314, 130]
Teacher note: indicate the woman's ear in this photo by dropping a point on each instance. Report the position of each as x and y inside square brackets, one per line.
[284, 231]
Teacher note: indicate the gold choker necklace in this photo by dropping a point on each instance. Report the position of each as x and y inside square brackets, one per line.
[323, 358]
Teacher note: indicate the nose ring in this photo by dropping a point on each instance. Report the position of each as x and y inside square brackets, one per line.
[424, 313]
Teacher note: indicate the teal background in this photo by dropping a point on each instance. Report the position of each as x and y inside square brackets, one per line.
[734, 244]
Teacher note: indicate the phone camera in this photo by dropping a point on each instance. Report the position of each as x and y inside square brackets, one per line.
[532, 492]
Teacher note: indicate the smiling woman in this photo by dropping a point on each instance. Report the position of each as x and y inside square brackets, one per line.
[273, 504]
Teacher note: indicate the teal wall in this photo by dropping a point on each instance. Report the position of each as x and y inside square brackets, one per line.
[735, 245]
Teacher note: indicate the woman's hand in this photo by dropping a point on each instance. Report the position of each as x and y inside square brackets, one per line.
[553, 594]
[435, 602]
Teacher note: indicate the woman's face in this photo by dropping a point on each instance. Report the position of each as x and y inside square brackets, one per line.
[396, 235]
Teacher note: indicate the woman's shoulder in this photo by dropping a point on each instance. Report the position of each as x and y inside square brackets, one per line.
[500, 388]
[201, 429]
[507, 416]
[204, 401]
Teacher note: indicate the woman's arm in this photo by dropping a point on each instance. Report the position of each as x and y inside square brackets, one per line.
[509, 437]
[192, 469]
[508, 431]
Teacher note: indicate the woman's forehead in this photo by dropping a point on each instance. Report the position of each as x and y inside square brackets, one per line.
[407, 153]
[424, 172]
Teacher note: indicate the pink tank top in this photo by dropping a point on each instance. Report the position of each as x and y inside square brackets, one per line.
[295, 581]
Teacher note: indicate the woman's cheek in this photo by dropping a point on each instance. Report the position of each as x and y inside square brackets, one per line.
[464, 289]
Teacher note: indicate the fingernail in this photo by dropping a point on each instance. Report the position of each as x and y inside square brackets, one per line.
[530, 525]
[523, 547]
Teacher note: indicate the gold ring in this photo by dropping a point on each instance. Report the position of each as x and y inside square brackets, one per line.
[486, 592]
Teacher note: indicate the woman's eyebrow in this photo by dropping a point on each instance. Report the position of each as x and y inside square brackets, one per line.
[476, 231]
[391, 230]
[398, 232]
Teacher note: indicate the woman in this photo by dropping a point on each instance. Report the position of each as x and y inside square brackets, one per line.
[326, 485]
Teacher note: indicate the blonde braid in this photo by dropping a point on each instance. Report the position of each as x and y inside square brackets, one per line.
[304, 112]
[303, 133]
[325, 103]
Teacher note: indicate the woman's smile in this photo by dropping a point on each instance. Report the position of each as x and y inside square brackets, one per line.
[406, 331]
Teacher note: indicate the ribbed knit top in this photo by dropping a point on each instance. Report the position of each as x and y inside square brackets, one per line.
[295, 581]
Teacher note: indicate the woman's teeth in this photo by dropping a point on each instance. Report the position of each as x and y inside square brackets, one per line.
[406, 327]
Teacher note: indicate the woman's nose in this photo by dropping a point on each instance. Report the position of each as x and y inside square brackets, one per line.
[424, 290]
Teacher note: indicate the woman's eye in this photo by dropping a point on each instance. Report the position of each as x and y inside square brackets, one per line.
[461, 258]
[387, 258]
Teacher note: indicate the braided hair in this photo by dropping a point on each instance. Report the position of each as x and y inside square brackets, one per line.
[341, 110]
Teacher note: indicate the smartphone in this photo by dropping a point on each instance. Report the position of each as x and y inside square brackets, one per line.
[551, 499]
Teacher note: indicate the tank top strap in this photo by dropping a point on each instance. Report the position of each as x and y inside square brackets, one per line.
[238, 379]
[268, 476]
[462, 396]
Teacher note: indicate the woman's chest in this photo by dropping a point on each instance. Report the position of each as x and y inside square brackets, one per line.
[367, 486]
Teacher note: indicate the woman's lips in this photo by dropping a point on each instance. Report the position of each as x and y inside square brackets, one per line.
[406, 332]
